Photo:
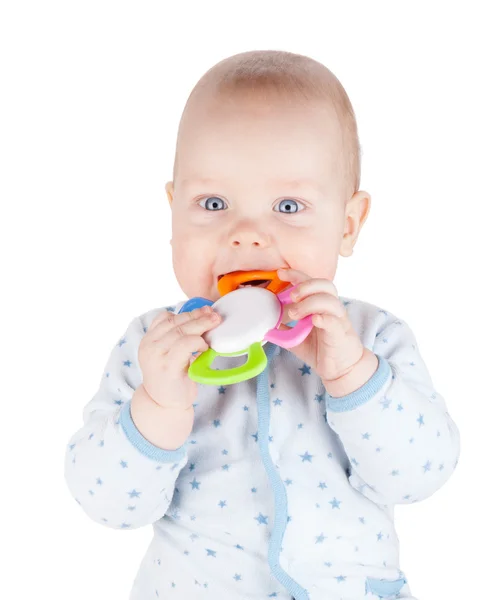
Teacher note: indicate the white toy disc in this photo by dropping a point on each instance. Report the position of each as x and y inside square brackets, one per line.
[247, 315]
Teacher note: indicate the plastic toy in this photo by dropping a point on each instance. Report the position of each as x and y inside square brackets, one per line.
[250, 318]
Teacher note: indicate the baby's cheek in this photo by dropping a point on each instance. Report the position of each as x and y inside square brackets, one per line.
[318, 261]
[193, 266]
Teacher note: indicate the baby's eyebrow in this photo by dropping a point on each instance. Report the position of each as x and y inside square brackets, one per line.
[291, 184]
[198, 181]
[312, 184]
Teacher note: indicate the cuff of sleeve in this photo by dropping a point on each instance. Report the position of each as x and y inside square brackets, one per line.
[365, 392]
[143, 445]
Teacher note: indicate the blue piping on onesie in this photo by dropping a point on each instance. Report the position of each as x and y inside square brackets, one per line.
[280, 496]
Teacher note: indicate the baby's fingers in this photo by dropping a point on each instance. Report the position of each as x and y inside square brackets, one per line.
[195, 327]
[166, 320]
[179, 358]
[321, 303]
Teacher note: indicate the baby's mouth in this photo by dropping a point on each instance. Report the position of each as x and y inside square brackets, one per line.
[259, 283]
[263, 283]
[263, 278]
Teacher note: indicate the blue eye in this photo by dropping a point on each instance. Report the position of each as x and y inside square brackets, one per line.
[291, 206]
[215, 203]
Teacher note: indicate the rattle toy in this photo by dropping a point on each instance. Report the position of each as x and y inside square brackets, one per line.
[250, 318]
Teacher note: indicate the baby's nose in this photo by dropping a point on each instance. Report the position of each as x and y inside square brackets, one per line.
[249, 237]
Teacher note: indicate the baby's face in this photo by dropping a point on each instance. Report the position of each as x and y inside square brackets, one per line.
[256, 188]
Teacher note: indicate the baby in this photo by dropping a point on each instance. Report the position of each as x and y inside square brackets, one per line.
[282, 486]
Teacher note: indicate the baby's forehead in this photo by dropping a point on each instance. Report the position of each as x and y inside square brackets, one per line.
[277, 136]
[213, 124]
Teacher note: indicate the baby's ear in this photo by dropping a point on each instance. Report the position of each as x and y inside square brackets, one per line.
[169, 188]
[357, 211]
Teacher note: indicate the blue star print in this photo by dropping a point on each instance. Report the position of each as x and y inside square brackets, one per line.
[335, 503]
[262, 519]
[385, 403]
[306, 456]
[305, 370]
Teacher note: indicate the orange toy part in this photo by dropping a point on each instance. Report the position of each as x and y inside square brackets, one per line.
[231, 281]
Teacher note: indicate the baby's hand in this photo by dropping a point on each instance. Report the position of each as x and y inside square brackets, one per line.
[333, 347]
[165, 355]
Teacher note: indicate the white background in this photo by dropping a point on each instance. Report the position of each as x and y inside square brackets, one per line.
[91, 97]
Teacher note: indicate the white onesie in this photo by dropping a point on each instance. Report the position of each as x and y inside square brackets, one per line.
[280, 491]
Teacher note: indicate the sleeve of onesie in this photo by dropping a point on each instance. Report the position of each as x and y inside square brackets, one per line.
[401, 443]
[117, 476]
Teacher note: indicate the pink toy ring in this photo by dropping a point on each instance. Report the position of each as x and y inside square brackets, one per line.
[294, 336]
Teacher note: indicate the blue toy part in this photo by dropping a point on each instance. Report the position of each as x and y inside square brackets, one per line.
[193, 303]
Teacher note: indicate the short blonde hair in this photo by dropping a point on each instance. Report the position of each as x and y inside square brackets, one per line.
[289, 75]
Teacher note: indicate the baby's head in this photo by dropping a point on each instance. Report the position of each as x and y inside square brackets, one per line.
[266, 172]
